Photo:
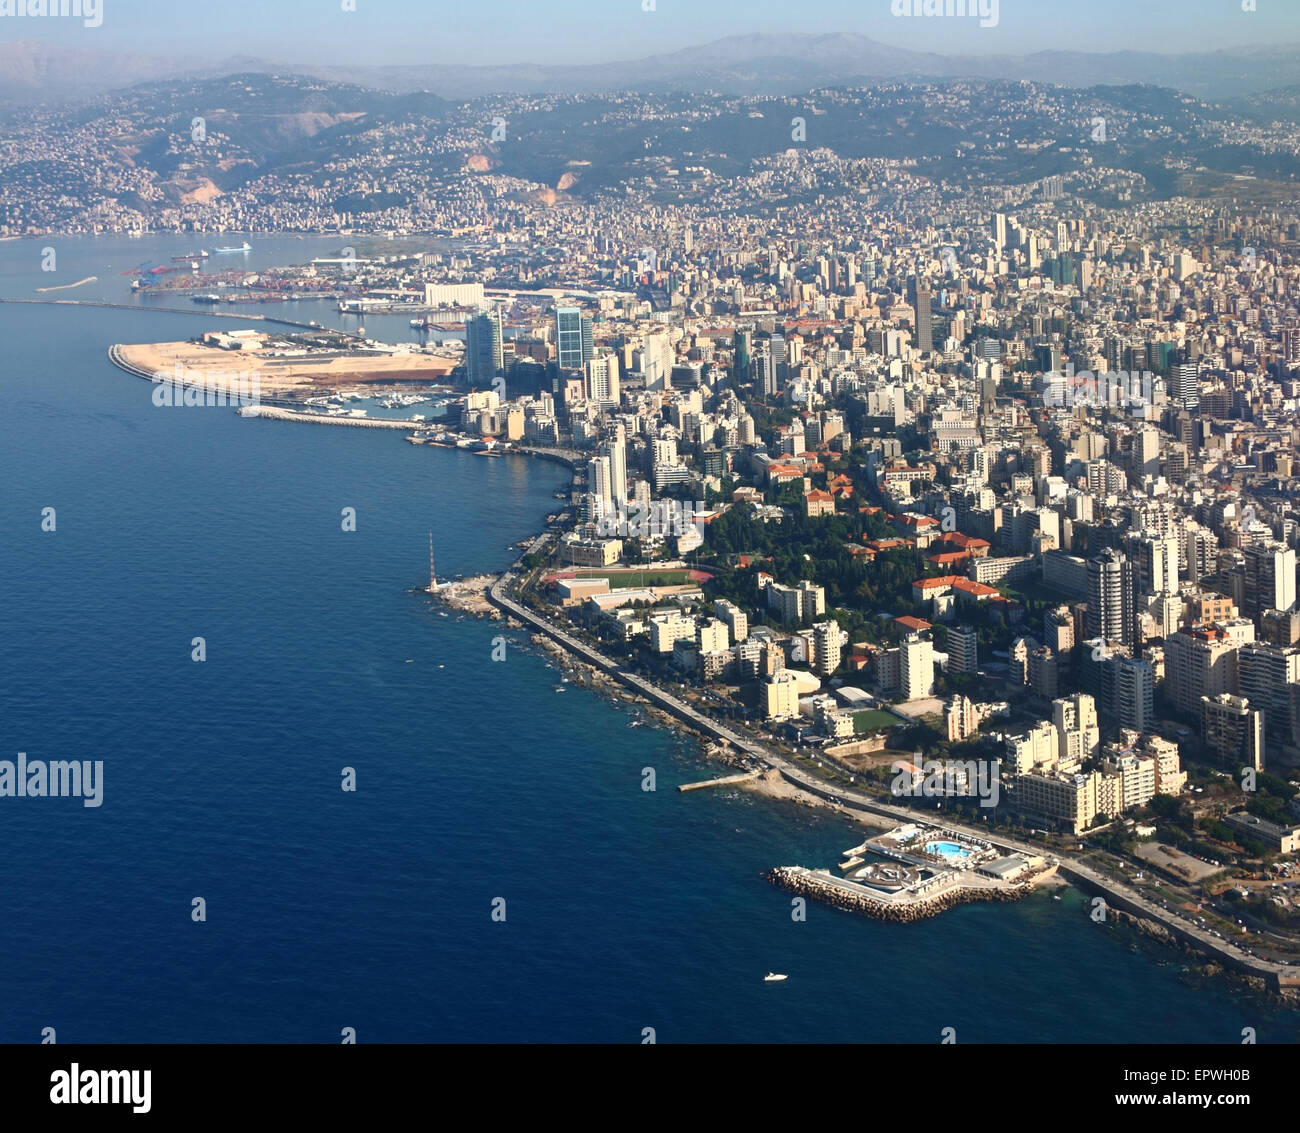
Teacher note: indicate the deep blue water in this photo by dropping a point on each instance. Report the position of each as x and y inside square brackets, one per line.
[476, 780]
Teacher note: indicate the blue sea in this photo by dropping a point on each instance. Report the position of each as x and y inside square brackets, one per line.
[625, 910]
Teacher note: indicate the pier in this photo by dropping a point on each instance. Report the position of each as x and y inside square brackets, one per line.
[275, 414]
[725, 781]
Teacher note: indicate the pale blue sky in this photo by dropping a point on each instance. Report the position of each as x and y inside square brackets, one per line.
[593, 31]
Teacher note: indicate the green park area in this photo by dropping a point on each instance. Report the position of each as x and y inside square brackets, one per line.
[636, 579]
[873, 720]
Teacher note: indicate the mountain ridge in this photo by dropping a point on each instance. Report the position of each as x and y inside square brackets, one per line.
[756, 63]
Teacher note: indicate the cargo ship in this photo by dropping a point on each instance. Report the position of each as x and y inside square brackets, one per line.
[244, 247]
[200, 255]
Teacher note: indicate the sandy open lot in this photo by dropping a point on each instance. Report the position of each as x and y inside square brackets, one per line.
[281, 376]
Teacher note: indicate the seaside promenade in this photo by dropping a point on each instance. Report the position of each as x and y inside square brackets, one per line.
[1123, 897]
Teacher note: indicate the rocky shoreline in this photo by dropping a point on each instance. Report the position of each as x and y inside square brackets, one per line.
[588, 676]
[1197, 964]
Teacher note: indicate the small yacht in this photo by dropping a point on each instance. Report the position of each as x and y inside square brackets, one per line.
[775, 977]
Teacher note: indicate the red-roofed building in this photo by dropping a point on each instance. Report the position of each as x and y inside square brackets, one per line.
[949, 559]
[819, 503]
[783, 473]
[925, 589]
[922, 528]
[976, 591]
[975, 547]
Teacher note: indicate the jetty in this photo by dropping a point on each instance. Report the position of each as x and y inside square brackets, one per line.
[725, 781]
[276, 414]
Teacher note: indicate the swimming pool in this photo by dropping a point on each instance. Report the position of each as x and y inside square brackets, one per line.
[947, 849]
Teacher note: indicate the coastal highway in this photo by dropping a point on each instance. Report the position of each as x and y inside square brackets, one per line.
[1121, 896]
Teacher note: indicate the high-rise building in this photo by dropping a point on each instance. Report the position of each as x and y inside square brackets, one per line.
[1200, 661]
[742, 345]
[1154, 565]
[1270, 578]
[1135, 686]
[962, 644]
[1110, 597]
[572, 338]
[1170, 776]
[828, 641]
[603, 378]
[600, 497]
[916, 667]
[1265, 676]
[736, 619]
[712, 635]
[483, 348]
[614, 450]
[924, 333]
[782, 701]
[1186, 384]
[1077, 735]
[1146, 455]
[1233, 730]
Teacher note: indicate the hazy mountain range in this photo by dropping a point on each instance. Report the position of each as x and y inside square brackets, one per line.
[742, 65]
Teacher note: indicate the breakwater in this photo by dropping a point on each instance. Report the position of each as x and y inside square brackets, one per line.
[275, 414]
[855, 899]
[176, 311]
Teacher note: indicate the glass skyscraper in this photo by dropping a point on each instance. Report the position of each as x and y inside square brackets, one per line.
[572, 338]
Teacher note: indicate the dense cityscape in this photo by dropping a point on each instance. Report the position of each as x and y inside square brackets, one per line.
[857, 449]
[930, 443]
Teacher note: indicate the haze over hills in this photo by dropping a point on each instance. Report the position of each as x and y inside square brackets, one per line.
[741, 65]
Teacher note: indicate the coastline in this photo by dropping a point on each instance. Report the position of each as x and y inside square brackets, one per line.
[782, 781]
[1216, 958]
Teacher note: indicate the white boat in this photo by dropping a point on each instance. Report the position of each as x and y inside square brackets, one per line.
[244, 247]
[775, 977]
